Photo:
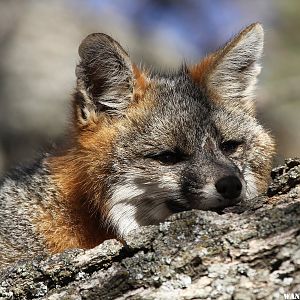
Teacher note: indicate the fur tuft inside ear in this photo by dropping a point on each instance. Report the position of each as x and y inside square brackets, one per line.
[104, 77]
[231, 73]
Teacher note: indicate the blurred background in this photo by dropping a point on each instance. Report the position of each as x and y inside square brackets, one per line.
[38, 53]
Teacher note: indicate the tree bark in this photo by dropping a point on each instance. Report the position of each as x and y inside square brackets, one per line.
[250, 251]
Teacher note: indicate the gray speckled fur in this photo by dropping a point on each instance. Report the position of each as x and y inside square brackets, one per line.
[21, 193]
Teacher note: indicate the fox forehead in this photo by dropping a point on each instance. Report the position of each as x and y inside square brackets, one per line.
[178, 93]
[179, 111]
[181, 114]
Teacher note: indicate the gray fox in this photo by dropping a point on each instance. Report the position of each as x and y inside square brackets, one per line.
[141, 147]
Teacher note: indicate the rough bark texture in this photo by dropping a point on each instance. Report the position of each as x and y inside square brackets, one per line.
[251, 251]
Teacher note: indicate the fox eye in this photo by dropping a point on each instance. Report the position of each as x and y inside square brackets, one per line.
[166, 157]
[231, 146]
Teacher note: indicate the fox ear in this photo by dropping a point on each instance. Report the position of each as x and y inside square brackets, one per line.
[104, 78]
[231, 73]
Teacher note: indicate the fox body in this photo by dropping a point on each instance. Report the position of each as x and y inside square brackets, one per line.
[142, 146]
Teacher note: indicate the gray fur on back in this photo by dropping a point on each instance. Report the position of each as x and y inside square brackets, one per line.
[21, 193]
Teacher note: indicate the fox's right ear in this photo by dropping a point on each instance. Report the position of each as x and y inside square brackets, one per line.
[104, 78]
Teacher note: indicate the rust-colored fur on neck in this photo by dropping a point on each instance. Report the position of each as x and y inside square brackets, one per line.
[79, 173]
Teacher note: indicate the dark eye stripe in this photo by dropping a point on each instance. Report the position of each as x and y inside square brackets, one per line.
[231, 146]
[167, 157]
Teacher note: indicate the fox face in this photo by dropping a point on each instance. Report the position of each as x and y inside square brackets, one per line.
[149, 145]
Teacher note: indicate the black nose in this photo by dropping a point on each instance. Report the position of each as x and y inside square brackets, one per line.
[229, 187]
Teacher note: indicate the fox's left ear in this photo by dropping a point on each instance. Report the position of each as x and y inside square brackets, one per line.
[230, 74]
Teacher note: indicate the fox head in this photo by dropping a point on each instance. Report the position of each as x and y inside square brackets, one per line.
[148, 145]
